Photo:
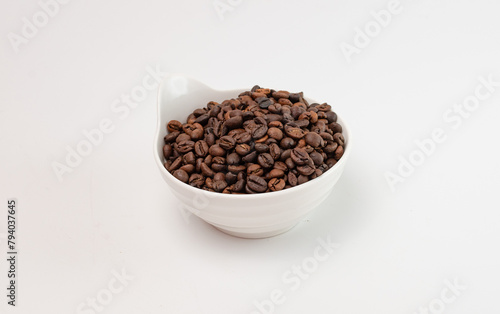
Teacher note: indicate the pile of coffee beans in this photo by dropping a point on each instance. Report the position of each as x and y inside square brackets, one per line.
[262, 141]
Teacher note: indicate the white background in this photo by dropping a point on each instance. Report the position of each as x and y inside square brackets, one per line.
[114, 212]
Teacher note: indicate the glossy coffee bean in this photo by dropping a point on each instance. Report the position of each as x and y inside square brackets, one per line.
[256, 184]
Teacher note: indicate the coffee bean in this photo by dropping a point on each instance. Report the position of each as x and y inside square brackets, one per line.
[299, 156]
[316, 157]
[256, 184]
[335, 127]
[339, 138]
[292, 179]
[206, 171]
[219, 164]
[249, 158]
[289, 163]
[274, 151]
[276, 184]
[216, 150]
[261, 148]
[169, 138]
[314, 139]
[287, 142]
[301, 179]
[219, 185]
[236, 169]
[239, 185]
[243, 137]
[264, 102]
[189, 168]
[306, 170]
[175, 164]
[331, 148]
[281, 94]
[234, 122]
[182, 138]
[255, 170]
[196, 180]
[295, 97]
[339, 152]
[201, 148]
[242, 149]
[203, 119]
[275, 133]
[189, 158]
[294, 133]
[167, 151]
[276, 173]
[181, 175]
[280, 165]
[233, 159]
[331, 116]
[265, 160]
[174, 125]
[227, 142]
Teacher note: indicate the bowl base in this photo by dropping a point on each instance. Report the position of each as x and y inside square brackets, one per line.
[256, 235]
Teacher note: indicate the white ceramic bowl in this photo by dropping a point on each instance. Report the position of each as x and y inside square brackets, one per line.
[246, 216]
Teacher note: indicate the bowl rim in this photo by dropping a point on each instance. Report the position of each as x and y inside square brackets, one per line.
[209, 194]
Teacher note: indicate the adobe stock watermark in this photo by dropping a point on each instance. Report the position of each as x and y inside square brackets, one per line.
[453, 118]
[364, 36]
[94, 137]
[31, 26]
[297, 274]
[103, 298]
[224, 6]
[448, 295]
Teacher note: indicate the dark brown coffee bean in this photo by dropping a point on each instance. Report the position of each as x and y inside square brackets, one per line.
[219, 185]
[210, 139]
[295, 97]
[264, 102]
[243, 137]
[331, 161]
[249, 158]
[276, 173]
[314, 139]
[274, 151]
[330, 148]
[189, 158]
[203, 119]
[259, 131]
[317, 158]
[326, 136]
[287, 143]
[201, 148]
[169, 138]
[339, 138]
[281, 94]
[306, 170]
[196, 180]
[234, 122]
[275, 133]
[236, 169]
[167, 151]
[182, 138]
[243, 149]
[176, 164]
[174, 125]
[299, 156]
[294, 133]
[276, 184]
[233, 159]
[261, 148]
[335, 127]
[206, 171]
[331, 116]
[227, 142]
[265, 160]
[216, 150]
[256, 184]
[181, 175]
[289, 163]
[255, 170]
[301, 179]
[339, 152]
[219, 164]
[231, 178]
[189, 168]
[280, 165]
[185, 146]
[239, 186]
[292, 179]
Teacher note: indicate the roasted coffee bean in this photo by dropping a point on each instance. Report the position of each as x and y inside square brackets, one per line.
[189, 158]
[286, 154]
[292, 179]
[264, 102]
[189, 168]
[182, 138]
[281, 94]
[233, 159]
[306, 170]
[255, 170]
[280, 165]
[206, 171]
[275, 133]
[256, 184]
[239, 186]
[219, 185]
[314, 139]
[249, 158]
[331, 162]
[167, 151]
[216, 150]
[274, 151]
[299, 156]
[316, 157]
[201, 148]
[259, 131]
[176, 164]
[169, 138]
[339, 152]
[276, 184]
[261, 148]
[203, 119]
[287, 143]
[243, 137]
[174, 125]
[196, 180]
[331, 116]
[181, 175]
[289, 163]
[219, 164]
[265, 160]
[294, 132]
[243, 149]
[302, 179]
[234, 122]
[326, 136]
[335, 127]
[330, 148]
[295, 97]
[339, 138]
[236, 169]
[276, 173]
[227, 142]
